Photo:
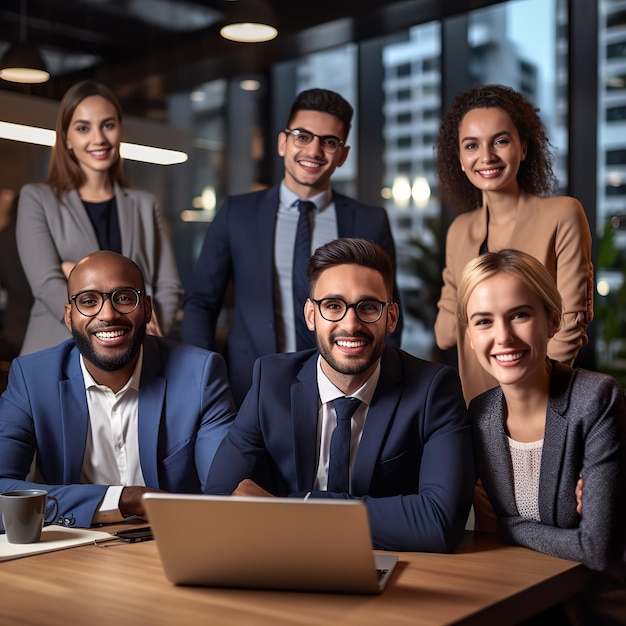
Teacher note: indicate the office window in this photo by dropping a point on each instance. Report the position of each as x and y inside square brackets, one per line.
[403, 70]
[523, 44]
[610, 304]
[616, 114]
[616, 157]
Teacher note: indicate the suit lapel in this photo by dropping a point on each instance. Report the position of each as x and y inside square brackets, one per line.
[304, 412]
[81, 218]
[265, 227]
[381, 413]
[125, 217]
[74, 419]
[554, 444]
[150, 410]
[497, 449]
[345, 216]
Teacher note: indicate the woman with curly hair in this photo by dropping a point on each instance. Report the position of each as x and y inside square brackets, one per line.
[494, 163]
[84, 205]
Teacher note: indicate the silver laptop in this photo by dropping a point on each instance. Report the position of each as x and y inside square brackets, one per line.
[267, 543]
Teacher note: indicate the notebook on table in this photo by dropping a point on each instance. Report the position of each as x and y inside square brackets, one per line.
[267, 543]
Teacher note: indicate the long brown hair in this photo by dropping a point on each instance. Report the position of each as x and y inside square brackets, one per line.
[64, 172]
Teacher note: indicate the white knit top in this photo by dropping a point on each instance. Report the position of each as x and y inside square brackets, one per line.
[526, 461]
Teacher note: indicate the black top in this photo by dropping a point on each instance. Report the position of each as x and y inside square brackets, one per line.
[103, 216]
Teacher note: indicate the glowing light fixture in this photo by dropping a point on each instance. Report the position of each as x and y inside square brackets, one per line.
[249, 21]
[130, 151]
[22, 62]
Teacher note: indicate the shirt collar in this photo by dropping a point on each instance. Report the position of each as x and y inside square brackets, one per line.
[133, 381]
[289, 199]
[328, 392]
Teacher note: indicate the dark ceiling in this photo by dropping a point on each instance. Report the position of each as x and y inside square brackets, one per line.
[145, 49]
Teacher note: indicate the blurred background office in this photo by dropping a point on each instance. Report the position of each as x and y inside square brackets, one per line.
[222, 103]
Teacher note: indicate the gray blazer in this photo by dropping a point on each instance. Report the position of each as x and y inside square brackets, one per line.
[585, 431]
[49, 232]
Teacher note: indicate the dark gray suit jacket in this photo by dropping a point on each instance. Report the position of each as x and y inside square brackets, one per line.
[585, 431]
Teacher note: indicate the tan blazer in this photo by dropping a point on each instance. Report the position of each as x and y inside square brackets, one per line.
[555, 231]
[49, 232]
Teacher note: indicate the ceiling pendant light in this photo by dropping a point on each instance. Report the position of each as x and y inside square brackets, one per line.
[249, 21]
[22, 62]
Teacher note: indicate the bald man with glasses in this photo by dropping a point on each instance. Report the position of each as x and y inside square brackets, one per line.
[261, 242]
[111, 413]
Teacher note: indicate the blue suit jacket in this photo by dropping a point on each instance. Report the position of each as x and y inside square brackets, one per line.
[414, 466]
[185, 410]
[239, 245]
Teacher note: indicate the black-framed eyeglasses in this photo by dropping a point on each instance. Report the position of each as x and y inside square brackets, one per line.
[89, 302]
[302, 138]
[335, 309]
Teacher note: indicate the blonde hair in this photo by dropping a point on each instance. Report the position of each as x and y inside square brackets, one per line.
[513, 263]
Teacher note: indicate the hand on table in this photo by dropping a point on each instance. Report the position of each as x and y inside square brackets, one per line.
[131, 502]
[250, 489]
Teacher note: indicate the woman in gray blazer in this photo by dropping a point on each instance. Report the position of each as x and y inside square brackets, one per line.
[85, 205]
[549, 440]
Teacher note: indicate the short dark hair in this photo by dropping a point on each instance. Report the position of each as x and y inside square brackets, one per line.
[324, 101]
[535, 174]
[351, 251]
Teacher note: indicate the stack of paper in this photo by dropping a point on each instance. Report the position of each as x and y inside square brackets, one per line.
[52, 538]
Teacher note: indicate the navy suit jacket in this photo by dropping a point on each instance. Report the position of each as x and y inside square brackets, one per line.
[239, 245]
[414, 467]
[185, 410]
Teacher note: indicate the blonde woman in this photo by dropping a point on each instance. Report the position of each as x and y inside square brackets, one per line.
[549, 439]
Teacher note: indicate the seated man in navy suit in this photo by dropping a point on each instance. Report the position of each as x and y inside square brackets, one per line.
[111, 413]
[408, 454]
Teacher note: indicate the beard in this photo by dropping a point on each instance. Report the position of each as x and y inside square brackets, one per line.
[109, 363]
[347, 365]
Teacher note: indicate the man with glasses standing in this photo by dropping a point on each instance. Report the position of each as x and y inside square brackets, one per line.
[263, 240]
[111, 413]
[356, 418]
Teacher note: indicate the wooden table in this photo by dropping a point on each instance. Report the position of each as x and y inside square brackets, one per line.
[484, 582]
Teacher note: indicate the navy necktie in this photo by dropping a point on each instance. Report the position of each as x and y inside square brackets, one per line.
[300, 283]
[339, 461]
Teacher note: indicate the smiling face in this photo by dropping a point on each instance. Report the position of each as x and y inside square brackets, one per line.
[308, 169]
[490, 149]
[509, 329]
[350, 348]
[109, 341]
[94, 135]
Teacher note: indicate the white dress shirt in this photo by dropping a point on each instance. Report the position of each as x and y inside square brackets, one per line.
[324, 229]
[112, 450]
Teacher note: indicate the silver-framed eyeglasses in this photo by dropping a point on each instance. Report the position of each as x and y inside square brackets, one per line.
[368, 311]
[302, 138]
[90, 302]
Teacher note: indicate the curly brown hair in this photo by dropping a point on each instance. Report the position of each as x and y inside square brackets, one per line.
[535, 174]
